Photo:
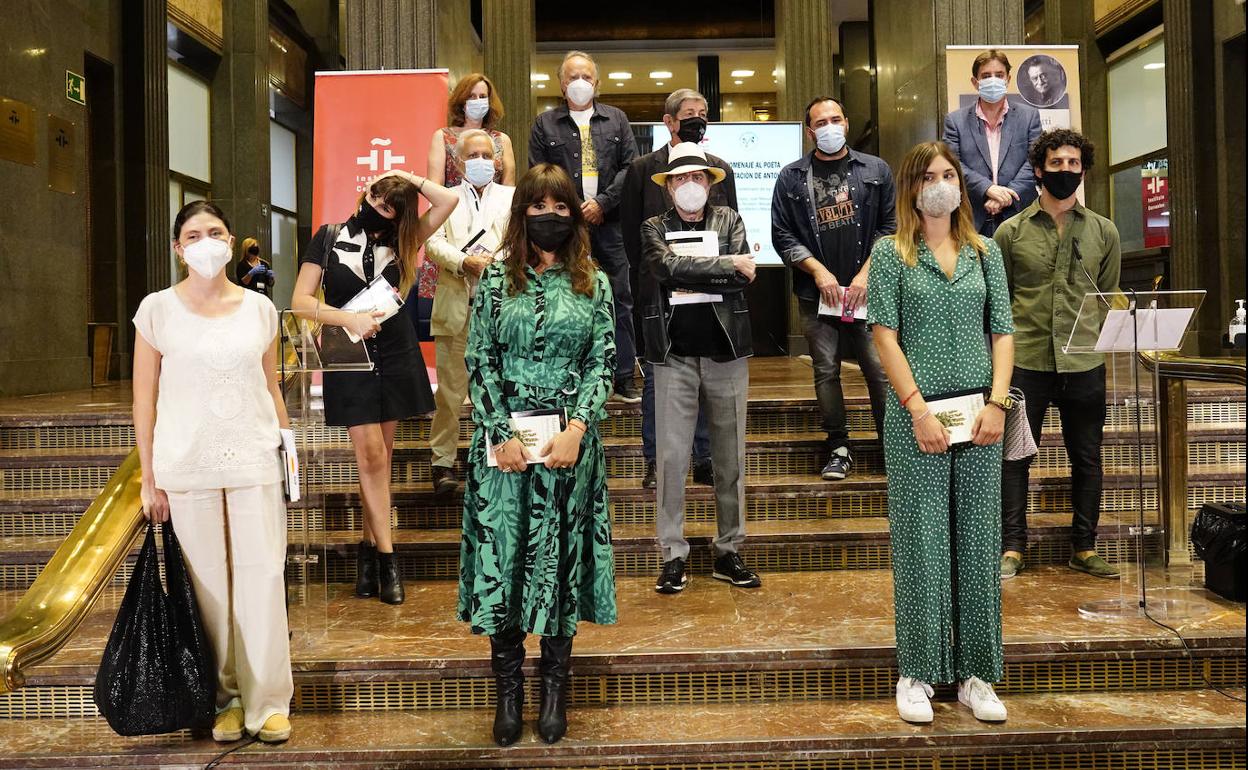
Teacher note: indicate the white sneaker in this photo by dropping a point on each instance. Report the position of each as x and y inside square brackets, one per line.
[981, 699]
[914, 700]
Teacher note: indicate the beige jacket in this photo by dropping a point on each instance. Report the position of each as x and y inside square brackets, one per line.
[489, 212]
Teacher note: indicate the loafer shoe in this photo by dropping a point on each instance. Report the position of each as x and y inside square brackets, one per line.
[1010, 567]
[228, 726]
[275, 729]
[1094, 566]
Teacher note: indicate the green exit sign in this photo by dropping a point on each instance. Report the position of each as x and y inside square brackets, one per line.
[75, 87]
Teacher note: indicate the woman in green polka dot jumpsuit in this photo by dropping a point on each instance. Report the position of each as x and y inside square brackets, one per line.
[928, 289]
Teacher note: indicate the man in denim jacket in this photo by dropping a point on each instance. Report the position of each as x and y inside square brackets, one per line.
[827, 210]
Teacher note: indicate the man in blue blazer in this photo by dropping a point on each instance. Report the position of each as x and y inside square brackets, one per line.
[991, 138]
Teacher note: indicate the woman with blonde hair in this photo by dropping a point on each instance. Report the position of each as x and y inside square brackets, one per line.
[536, 552]
[252, 272]
[381, 238]
[933, 289]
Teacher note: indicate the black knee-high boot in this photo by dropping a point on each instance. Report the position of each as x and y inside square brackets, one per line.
[556, 665]
[366, 570]
[506, 658]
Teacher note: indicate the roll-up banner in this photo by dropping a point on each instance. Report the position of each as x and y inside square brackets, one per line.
[369, 122]
[1044, 76]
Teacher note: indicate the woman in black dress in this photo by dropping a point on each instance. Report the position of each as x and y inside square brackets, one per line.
[382, 237]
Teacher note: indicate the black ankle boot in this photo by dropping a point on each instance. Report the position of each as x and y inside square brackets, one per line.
[366, 570]
[506, 658]
[391, 590]
[552, 722]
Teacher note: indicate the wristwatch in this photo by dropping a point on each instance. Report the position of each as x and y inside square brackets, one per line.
[1004, 403]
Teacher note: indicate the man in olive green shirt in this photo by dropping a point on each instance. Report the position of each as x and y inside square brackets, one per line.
[1057, 251]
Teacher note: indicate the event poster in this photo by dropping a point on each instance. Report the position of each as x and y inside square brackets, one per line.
[1044, 76]
[756, 151]
[368, 122]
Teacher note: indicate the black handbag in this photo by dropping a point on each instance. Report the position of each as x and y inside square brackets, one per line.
[158, 674]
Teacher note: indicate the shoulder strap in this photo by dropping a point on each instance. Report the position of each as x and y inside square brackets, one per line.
[331, 237]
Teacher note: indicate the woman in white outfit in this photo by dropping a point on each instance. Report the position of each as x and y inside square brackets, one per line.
[207, 411]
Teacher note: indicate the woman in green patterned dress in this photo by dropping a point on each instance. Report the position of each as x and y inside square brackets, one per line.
[931, 288]
[536, 551]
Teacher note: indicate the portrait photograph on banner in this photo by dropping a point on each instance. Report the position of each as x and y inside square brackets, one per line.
[1045, 77]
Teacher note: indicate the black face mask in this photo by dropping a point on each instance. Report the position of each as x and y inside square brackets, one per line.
[692, 129]
[548, 231]
[1061, 184]
[368, 218]
[254, 251]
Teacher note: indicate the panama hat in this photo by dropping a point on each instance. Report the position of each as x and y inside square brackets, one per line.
[686, 157]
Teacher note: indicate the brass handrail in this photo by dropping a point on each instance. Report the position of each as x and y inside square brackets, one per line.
[1174, 370]
[83, 565]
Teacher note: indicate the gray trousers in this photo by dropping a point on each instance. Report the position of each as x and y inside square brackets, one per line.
[721, 388]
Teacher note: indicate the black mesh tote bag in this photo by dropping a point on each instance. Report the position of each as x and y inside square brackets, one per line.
[157, 674]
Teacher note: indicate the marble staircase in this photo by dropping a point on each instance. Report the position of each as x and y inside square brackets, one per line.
[797, 675]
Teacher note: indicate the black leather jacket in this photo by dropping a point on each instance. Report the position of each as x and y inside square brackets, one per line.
[662, 271]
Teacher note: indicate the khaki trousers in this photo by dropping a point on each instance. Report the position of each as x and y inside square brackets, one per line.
[234, 541]
[452, 388]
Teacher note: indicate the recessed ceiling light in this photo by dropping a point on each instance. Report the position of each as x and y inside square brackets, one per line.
[727, 104]
[620, 75]
[743, 73]
[541, 85]
[1157, 65]
[542, 76]
[775, 72]
[660, 74]
[658, 82]
[619, 85]
[738, 82]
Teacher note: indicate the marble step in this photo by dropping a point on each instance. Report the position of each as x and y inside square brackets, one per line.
[1126, 731]
[811, 545]
[29, 471]
[1212, 405]
[802, 637]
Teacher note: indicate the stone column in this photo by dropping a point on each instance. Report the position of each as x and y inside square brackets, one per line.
[240, 121]
[509, 37]
[803, 54]
[146, 145]
[910, 40]
[1191, 136]
[1072, 22]
[391, 34]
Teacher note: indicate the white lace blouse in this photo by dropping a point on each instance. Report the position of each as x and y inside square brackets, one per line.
[216, 426]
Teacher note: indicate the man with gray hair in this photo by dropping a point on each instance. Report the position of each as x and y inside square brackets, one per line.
[594, 143]
[462, 249]
[684, 116]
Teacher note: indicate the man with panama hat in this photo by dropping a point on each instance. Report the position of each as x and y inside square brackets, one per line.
[697, 331]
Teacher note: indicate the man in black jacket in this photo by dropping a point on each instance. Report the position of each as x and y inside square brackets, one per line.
[684, 116]
[594, 143]
[696, 264]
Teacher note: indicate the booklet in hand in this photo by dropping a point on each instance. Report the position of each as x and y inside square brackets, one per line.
[534, 429]
[702, 244]
[377, 296]
[957, 412]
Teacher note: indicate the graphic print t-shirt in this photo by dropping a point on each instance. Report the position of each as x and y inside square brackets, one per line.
[836, 217]
[589, 156]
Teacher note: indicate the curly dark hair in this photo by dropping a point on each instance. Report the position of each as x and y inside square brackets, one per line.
[1060, 137]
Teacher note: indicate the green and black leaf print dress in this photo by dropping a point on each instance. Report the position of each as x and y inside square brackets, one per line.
[536, 549]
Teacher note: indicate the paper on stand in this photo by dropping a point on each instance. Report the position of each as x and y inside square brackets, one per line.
[1157, 329]
[694, 243]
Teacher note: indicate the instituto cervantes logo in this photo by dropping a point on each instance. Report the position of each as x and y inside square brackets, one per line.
[380, 159]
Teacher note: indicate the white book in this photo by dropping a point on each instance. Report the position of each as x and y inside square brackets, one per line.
[377, 296]
[957, 412]
[694, 243]
[534, 429]
[860, 312]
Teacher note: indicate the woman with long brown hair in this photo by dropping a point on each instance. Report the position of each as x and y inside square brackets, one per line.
[933, 289]
[536, 550]
[381, 238]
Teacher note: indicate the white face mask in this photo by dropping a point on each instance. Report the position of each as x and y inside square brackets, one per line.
[940, 199]
[479, 171]
[690, 197]
[580, 92]
[477, 109]
[207, 256]
[830, 138]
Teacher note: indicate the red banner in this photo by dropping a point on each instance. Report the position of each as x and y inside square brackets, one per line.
[368, 122]
[1156, 198]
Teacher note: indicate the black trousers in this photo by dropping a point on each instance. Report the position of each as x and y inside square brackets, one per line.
[1080, 401]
